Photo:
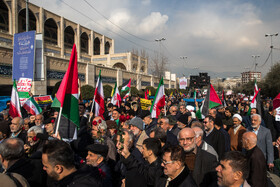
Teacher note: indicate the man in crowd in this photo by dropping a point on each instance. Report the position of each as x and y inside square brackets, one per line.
[13, 161]
[247, 120]
[164, 124]
[201, 163]
[264, 139]
[136, 126]
[201, 143]
[148, 121]
[96, 157]
[183, 118]
[34, 146]
[151, 153]
[16, 129]
[58, 161]
[176, 173]
[228, 118]
[213, 137]
[98, 132]
[235, 133]
[233, 170]
[257, 175]
[39, 118]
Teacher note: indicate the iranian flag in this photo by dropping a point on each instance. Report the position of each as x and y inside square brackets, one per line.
[159, 100]
[14, 110]
[210, 101]
[126, 85]
[116, 99]
[99, 98]
[255, 87]
[66, 100]
[32, 106]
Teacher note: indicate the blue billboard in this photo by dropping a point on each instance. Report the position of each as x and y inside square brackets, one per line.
[24, 55]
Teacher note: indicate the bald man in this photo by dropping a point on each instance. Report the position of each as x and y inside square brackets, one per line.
[204, 172]
[257, 175]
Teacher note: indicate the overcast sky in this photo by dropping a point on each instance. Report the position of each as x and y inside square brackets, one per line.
[217, 36]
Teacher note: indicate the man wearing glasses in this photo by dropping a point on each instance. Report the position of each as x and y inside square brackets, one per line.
[176, 173]
[214, 137]
[201, 163]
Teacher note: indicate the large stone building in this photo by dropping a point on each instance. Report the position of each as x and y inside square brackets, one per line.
[250, 76]
[95, 51]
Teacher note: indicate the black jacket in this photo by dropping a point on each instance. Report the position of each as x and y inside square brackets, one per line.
[204, 172]
[184, 179]
[31, 170]
[149, 171]
[217, 140]
[83, 177]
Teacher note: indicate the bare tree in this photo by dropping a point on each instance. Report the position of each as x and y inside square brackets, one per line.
[158, 65]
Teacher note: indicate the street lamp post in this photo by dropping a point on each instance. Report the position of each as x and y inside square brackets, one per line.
[271, 46]
[255, 61]
[27, 16]
[160, 57]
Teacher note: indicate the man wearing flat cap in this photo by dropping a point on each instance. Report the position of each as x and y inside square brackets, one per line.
[136, 126]
[236, 132]
[96, 157]
[149, 122]
[173, 125]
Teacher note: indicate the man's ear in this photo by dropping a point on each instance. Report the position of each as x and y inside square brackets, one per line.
[58, 169]
[237, 175]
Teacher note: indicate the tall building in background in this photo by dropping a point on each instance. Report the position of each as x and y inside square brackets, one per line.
[250, 76]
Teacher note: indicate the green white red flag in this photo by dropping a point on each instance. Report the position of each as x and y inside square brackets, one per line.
[159, 100]
[14, 110]
[32, 106]
[99, 98]
[116, 99]
[67, 99]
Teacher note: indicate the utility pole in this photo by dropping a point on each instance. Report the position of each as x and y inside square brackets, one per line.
[271, 46]
[255, 61]
[27, 16]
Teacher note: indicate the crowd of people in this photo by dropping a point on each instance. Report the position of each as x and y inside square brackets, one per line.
[233, 145]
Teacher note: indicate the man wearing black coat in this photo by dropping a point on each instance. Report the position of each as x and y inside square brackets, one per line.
[201, 163]
[257, 175]
[58, 161]
[150, 169]
[214, 137]
[176, 173]
[13, 161]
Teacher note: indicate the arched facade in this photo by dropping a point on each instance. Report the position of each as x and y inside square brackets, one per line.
[84, 42]
[107, 48]
[69, 37]
[22, 21]
[119, 65]
[96, 46]
[4, 17]
[50, 31]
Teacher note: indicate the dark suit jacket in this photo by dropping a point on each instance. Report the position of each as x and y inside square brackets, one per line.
[204, 172]
[265, 143]
[184, 179]
[217, 140]
[257, 175]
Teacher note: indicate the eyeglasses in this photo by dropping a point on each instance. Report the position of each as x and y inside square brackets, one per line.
[205, 122]
[186, 139]
[167, 162]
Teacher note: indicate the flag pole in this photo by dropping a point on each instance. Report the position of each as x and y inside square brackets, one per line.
[58, 122]
[91, 107]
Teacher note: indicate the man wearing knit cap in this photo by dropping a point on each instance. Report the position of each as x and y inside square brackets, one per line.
[96, 157]
[236, 132]
[136, 126]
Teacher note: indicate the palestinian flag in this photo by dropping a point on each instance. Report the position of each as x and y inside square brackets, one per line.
[14, 110]
[32, 106]
[126, 85]
[210, 101]
[159, 100]
[126, 96]
[116, 99]
[67, 99]
[99, 98]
